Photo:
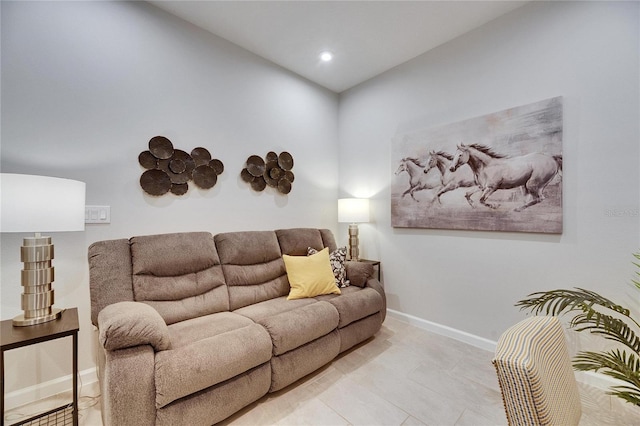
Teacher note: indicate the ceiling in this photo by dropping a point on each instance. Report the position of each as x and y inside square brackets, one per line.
[366, 37]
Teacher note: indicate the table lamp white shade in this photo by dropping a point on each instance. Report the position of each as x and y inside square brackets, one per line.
[353, 211]
[39, 204]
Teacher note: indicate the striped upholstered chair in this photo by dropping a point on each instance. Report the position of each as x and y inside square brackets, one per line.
[536, 379]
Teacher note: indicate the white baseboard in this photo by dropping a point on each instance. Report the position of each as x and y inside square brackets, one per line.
[596, 380]
[443, 330]
[44, 390]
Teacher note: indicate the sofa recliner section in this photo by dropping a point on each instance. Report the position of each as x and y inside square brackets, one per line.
[194, 327]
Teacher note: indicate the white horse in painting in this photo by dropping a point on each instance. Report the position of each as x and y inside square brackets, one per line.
[418, 180]
[460, 178]
[494, 171]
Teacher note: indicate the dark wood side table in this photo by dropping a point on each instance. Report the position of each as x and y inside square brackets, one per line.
[18, 337]
[375, 263]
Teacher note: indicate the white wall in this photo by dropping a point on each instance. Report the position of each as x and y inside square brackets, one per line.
[85, 85]
[587, 52]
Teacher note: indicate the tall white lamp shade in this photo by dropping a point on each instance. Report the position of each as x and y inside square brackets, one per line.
[353, 211]
[39, 204]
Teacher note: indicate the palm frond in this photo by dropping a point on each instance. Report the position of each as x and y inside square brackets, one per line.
[617, 364]
[609, 327]
[556, 302]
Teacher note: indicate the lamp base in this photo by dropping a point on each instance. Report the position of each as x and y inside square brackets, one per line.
[354, 251]
[37, 275]
[21, 321]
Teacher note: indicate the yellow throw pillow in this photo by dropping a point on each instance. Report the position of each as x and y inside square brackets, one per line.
[310, 276]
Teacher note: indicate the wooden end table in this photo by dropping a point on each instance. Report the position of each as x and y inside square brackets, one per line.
[18, 337]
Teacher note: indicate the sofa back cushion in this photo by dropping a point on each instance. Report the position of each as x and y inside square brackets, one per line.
[188, 275]
[296, 241]
[179, 275]
[253, 267]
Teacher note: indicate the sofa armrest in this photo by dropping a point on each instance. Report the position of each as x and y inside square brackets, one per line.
[358, 272]
[128, 324]
[375, 284]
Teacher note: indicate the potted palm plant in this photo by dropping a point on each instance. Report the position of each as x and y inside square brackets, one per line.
[598, 315]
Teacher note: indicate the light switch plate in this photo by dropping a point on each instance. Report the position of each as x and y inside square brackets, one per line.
[97, 214]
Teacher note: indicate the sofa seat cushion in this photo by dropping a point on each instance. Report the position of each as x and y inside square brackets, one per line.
[354, 304]
[292, 323]
[292, 329]
[206, 361]
[186, 332]
[259, 311]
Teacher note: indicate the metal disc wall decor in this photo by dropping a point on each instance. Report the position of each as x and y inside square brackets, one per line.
[155, 182]
[201, 156]
[161, 147]
[274, 171]
[170, 170]
[205, 177]
[217, 165]
[148, 160]
[285, 160]
[255, 165]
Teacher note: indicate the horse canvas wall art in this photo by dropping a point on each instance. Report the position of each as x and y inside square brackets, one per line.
[497, 172]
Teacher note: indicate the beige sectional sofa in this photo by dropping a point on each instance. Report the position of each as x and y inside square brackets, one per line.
[194, 327]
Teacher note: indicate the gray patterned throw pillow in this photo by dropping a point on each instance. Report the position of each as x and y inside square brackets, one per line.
[336, 258]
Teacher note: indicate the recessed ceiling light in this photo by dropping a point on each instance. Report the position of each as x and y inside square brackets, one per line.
[326, 56]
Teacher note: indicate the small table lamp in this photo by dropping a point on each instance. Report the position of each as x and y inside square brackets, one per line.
[353, 211]
[35, 204]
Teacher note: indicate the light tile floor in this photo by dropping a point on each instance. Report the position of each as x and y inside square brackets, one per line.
[403, 376]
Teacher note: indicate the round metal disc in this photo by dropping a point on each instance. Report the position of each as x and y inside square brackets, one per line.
[205, 177]
[155, 182]
[285, 160]
[269, 180]
[179, 188]
[201, 156]
[271, 164]
[284, 186]
[246, 176]
[161, 147]
[147, 160]
[288, 175]
[177, 166]
[255, 165]
[217, 165]
[276, 173]
[259, 184]
[271, 157]
[178, 155]
[164, 165]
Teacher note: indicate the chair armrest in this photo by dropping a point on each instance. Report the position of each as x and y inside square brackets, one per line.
[358, 272]
[128, 324]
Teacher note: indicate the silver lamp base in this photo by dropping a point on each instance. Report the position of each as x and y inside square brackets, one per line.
[354, 251]
[37, 275]
[21, 321]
